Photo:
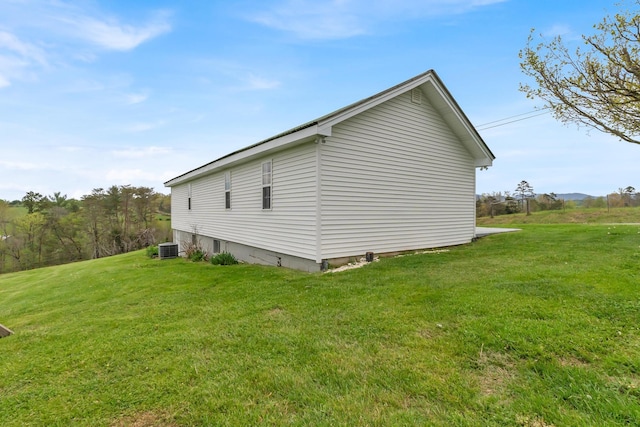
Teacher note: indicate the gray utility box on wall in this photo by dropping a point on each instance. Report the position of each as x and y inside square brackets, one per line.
[167, 250]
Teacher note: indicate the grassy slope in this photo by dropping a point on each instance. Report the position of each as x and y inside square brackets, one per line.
[17, 211]
[538, 327]
[569, 216]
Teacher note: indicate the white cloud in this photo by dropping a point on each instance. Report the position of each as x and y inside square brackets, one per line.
[313, 20]
[241, 77]
[137, 153]
[136, 98]
[260, 83]
[17, 58]
[69, 148]
[111, 34]
[558, 30]
[338, 19]
[39, 36]
[24, 166]
[10, 42]
[144, 126]
[127, 176]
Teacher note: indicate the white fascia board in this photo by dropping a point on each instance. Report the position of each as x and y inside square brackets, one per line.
[257, 150]
[372, 102]
[450, 112]
[483, 163]
[462, 127]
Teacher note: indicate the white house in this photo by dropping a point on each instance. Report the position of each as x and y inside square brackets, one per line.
[393, 172]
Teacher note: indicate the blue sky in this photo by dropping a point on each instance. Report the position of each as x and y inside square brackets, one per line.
[101, 93]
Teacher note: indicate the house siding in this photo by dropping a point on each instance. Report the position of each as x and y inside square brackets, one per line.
[289, 227]
[395, 178]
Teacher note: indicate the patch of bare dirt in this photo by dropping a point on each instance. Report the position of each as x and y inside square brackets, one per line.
[496, 370]
[572, 362]
[145, 419]
[526, 421]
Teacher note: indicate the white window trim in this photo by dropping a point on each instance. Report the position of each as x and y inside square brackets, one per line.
[267, 185]
[227, 189]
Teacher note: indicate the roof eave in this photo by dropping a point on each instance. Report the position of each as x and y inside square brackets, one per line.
[459, 122]
[291, 138]
[429, 82]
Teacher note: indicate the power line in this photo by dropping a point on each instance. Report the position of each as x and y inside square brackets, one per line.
[513, 121]
[502, 122]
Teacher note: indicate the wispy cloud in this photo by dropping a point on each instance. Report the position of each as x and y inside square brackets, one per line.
[127, 176]
[338, 19]
[313, 20]
[111, 34]
[238, 76]
[144, 126]
[136, 98]
[17, 57]
[24, 166]
[69, 148]
[260, 83]
[138, 153]
[12, 43]
[557, 30]
[56, 33]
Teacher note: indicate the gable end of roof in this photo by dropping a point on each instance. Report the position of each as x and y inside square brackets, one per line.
[428, 81]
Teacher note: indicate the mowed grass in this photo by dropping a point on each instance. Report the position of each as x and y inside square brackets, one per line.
[568, 216]
[534, 328]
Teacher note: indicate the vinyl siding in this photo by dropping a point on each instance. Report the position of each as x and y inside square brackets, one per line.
[289, 227]
[395, 178]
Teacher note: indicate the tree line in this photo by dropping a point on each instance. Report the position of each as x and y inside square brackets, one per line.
[39, 231]
[524, 199]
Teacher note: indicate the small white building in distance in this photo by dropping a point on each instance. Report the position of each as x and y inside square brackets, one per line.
[391, 173]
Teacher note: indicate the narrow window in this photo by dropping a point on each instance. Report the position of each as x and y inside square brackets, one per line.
[227, 190]
[189, 197]
[266, 185]
[216, 246]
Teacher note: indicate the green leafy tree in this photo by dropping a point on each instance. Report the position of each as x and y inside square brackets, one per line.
[28, 239]
[57, 229]
[34, 202]
[597, 86]
[491, 204]
[164, 203]
[525, 193]
[594, 202]
[58, 200]
[511, 204]
[548, 201]
[4, 235]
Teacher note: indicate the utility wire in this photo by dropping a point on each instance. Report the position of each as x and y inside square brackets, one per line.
[513, 121]
[502, 122]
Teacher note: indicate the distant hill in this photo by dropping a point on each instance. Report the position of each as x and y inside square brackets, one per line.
[573, 196]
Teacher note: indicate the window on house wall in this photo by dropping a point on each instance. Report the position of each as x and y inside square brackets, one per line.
[266, 185]
[216, 246]
[189, 196]
[227, 190]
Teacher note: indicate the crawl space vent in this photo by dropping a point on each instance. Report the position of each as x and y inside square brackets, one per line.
[416, 96]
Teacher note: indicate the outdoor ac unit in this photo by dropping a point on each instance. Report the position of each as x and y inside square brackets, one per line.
[167, 250]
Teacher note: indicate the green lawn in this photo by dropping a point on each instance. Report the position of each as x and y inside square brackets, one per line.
[568, 216]
[534, 328]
